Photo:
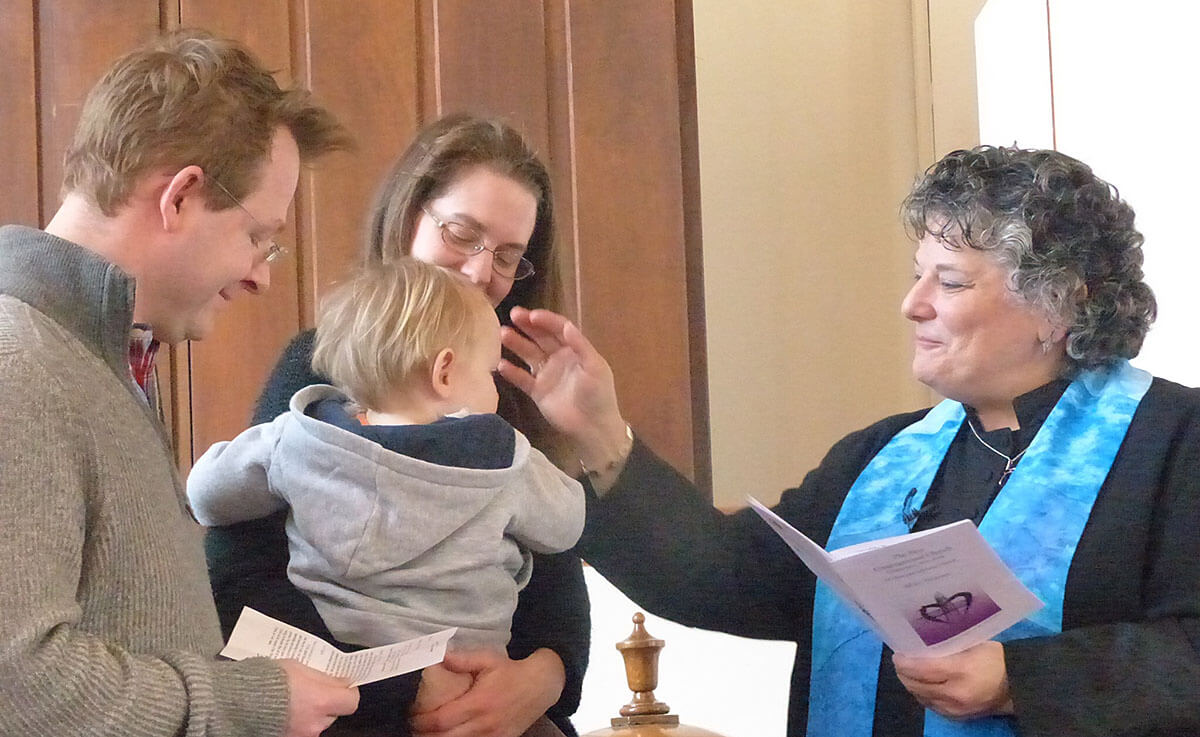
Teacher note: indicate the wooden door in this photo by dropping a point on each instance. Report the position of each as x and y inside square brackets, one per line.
[603, 88]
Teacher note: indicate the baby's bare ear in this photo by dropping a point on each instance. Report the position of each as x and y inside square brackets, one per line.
[440, 372]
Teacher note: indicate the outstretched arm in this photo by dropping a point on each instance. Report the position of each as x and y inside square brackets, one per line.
[247, 561]
[548, 507]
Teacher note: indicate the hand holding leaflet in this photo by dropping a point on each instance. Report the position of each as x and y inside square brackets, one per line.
[257, 635]
[934, 592]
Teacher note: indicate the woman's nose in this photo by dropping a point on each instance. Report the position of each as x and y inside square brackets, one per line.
[478, 268]
[915, 306]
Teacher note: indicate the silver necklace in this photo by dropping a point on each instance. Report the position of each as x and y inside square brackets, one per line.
[1010, 462]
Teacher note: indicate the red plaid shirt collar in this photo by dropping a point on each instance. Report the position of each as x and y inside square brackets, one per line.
[143, 349]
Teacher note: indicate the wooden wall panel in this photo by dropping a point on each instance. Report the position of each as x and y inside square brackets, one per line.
[366, 71]
[559, 157]
[689, 147]
[227, 370]
[602, 90]
[630, 253]
[263, 26]
[77, 40]
[489, 57]
[19, 188]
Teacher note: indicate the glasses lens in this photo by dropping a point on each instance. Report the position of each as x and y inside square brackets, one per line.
[274, 252]
[461, 237]
[523, 269]
[507, 260]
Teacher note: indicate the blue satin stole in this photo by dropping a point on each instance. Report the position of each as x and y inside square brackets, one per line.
[1034, 525]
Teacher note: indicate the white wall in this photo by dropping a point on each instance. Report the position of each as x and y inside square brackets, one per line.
[730, 685]
[1127, 103]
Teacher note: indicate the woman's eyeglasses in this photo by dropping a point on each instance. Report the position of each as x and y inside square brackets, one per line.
[467, 240]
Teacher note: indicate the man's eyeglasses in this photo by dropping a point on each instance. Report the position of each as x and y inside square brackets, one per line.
[273, 249]
[464, 239]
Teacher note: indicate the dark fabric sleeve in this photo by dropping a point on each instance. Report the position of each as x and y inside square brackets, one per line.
[657, 539]
[1128, 668]
[553, 612]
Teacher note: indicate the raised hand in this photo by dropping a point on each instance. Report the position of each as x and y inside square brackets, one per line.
[569, 380]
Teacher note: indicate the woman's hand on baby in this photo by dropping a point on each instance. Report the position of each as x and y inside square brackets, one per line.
[972, 683]
[569, 380]
[439, 686]
[505, 698]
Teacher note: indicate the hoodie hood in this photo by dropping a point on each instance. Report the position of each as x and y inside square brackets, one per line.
[344, 475]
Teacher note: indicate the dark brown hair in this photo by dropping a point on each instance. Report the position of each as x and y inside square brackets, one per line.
[440, 154]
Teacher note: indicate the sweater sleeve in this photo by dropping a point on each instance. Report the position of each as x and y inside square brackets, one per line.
[56, 677]
[247, 561]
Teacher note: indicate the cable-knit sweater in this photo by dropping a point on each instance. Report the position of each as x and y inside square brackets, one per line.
[108, 625]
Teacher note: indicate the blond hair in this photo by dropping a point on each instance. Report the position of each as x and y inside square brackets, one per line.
[189, 98]
[387, 324]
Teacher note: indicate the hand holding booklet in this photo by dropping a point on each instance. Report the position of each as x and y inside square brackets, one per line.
[933, 592]
[257, 635]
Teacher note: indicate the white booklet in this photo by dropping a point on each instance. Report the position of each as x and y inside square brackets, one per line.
[934, 592]
[257, 635]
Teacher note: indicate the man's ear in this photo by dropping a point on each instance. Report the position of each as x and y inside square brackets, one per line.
[440, 372]
[188, 182]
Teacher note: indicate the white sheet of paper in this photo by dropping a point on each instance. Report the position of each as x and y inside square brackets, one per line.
[257, 635]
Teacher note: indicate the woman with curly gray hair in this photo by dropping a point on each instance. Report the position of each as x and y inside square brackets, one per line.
[1065, 236]
[1081, 471]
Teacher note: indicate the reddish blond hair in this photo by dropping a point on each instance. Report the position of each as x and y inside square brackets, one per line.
[189, 98]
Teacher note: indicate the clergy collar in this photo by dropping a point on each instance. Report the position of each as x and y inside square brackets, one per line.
[1032, 409]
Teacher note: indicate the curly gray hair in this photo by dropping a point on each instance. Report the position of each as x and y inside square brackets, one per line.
[1065, 234]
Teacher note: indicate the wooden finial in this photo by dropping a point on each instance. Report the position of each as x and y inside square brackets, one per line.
[645, 716]
[640, 652]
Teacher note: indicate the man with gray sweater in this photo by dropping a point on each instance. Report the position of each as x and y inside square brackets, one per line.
[182, 170]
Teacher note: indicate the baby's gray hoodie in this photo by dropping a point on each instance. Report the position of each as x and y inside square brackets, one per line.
[390, 546]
